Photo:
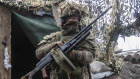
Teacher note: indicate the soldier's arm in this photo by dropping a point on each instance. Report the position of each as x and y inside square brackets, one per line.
[44, 46]
[84, 57]
[85, 53]
[43, 50]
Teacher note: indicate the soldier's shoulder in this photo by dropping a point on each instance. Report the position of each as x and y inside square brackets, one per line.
[52, 35]
[51, 38]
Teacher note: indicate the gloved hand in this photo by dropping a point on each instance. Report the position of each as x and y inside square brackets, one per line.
[85, 57]
[73, 54]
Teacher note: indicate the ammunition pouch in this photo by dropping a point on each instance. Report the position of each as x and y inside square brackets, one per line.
[62, 60]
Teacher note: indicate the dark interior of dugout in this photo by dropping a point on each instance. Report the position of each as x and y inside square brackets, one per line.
[22, 52]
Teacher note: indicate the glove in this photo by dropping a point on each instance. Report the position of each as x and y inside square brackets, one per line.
[73, 54]
[84, 57]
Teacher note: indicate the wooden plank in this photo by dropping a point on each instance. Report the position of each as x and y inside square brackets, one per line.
[5, 30]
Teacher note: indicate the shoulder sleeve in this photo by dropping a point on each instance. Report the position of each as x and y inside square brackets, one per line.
[53, 37]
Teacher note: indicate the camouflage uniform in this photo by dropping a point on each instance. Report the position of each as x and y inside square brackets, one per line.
[83, 55]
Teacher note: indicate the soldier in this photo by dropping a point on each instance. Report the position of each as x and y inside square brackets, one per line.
[71, 15]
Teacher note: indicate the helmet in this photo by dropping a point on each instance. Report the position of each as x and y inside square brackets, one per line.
[68, 9]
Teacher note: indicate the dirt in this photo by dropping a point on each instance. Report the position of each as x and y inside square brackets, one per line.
[129, 71]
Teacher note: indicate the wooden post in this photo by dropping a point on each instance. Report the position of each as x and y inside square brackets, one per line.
[5, 31]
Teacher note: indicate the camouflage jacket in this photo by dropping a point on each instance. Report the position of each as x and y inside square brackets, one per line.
[86, 53]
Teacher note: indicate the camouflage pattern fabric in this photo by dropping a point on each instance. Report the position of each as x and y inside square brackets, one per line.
[72, 8]
[31, 5]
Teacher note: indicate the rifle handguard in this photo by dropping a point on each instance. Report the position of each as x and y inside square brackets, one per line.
[62, 60]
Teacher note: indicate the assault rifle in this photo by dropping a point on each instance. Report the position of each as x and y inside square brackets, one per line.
[60, 52]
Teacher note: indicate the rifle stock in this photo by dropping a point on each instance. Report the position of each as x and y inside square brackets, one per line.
[66, 48]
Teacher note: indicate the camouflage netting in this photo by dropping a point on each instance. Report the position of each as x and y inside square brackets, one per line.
[30, 5]
[117, 22]
[71, 8]
[63, 8]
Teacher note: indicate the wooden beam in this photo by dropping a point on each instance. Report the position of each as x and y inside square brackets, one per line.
[5, 31]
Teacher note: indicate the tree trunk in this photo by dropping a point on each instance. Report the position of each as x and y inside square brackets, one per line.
[5, 31]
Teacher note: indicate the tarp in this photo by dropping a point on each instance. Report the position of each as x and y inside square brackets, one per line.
[35, 27]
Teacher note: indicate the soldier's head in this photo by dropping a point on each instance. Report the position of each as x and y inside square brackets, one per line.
[70, 22]
[71, 15]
